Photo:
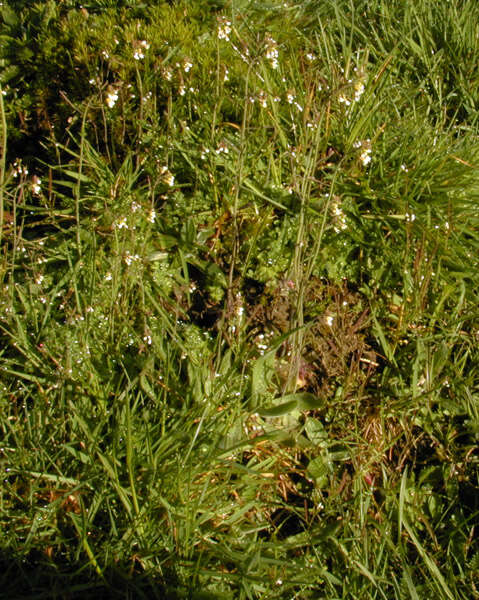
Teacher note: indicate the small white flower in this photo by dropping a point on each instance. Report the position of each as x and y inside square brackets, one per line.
[290, 97]
[167, 73]
[222, 148]
[187, 64]
[168, 177]
[365, 157]
[339, 217]
[111, 97]
[130, 258]
[272, 51]
[39, 279]
[358, 90]
[182, 90]
[224, 29]
[152, 216]
[36, 185]
[138, 54]
[108, 276]
[121, 224]
[329, 320]
[19, 169]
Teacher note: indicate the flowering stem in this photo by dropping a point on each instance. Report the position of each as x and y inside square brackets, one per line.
[2, 159]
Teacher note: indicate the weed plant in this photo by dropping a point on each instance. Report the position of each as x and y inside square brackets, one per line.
[239, 307]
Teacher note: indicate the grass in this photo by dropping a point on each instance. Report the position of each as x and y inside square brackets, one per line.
[239, 311]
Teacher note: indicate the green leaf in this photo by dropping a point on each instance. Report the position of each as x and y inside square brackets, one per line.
[315, 431]
[9, 16]
[319, 469]
[278, 411]
[308, 401]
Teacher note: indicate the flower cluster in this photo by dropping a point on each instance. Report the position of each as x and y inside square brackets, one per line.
[339, 218]
[36, 185]
[111, 97]
[272, 51]
[130, 258]
[167, 176]
[365, 156]
[19, 169]
[224, 28]
[139, 49]
[358, 89]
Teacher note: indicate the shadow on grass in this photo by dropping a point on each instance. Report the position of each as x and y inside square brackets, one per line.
[36, 577]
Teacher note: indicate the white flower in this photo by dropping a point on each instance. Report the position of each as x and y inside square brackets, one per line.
[187, 64]
[111, 97]
[272, 51]
[19, 169]
[36, 185]
[339, 217]
[224, 29]
[290, 97]
[365, 156]
[152, 216]
[138, 54]
[129, 258]
[167, 73]
[358, 90]
[168, 177]
[121, 224]
[222, 147]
